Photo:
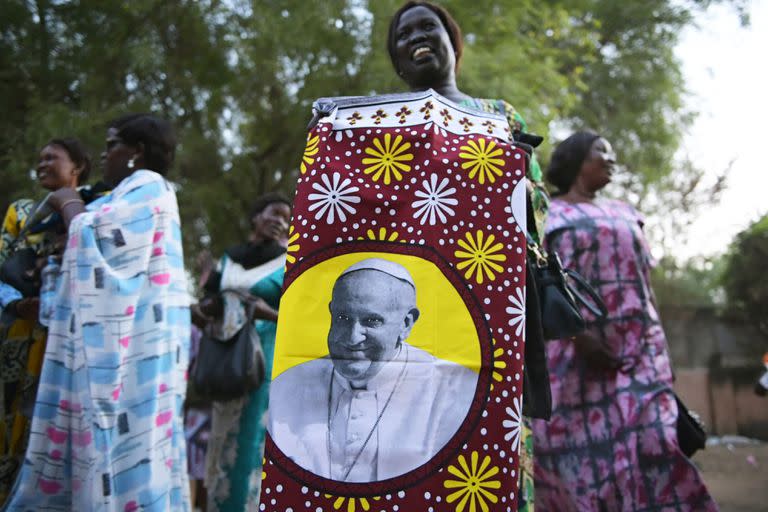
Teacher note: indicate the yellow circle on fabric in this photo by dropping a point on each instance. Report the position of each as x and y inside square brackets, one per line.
[445, 328]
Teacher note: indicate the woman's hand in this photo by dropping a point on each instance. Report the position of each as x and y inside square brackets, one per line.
[28, 308]
[595, 352]
[262, 310]
[199, 318]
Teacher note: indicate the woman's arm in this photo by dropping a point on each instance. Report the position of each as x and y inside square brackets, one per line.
[262, 310]
[68, 202]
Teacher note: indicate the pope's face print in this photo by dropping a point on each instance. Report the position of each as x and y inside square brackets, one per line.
[371, 314]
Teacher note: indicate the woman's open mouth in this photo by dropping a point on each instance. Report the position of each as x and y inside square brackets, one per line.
[421, 52]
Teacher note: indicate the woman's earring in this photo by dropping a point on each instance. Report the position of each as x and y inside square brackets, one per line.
[131, 164]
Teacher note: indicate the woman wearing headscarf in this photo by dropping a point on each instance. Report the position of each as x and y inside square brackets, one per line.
[63, 163]
[611, 443]
[107, 429]
[253, 270]
[425, 46]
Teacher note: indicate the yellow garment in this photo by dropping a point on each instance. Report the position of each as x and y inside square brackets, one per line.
[22, 346]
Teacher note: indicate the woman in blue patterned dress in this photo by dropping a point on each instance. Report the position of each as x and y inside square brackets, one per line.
[255, 268]
[107, 430]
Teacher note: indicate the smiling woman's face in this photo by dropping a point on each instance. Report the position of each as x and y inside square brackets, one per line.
[55, 168]
[425, 55]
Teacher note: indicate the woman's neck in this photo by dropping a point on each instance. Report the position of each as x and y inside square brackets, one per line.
[446, 88]
[578, 194]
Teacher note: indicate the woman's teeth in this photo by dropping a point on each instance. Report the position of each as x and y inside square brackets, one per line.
[422, 50]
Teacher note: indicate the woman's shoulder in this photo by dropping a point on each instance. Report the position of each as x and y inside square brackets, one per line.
[622, 208]
[563, 213]
[501, 107]
[21, 207]
[142, 177]
[141, 186]
[16, 213]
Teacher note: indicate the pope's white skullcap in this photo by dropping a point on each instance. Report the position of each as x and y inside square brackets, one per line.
[388, 267]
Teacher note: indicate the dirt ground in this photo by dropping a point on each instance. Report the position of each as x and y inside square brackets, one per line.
[738, 484]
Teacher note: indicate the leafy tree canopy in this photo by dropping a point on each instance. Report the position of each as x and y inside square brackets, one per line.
[743, 279]
[237, 78]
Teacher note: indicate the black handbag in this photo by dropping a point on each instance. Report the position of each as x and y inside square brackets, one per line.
[560, 294]
[691, 433]
[537, 395]
[228, 369]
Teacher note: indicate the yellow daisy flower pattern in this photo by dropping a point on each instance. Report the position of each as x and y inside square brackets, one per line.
[480, 256]
[293, 246]
[352, 503]
[263, 467]
[388, 158]
[309, 152]
[481, 158]
[474, 483]
[381, 235]
[498, 364]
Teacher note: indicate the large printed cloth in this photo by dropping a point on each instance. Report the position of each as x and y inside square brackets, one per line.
[401, 196]
[107, 431]
[611, 443]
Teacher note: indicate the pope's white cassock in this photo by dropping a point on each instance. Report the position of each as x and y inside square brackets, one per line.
[322, 424]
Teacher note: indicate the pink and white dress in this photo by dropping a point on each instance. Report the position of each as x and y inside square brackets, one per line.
[611, 444]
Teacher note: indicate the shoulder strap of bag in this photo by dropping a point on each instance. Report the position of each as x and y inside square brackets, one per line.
[597, 307]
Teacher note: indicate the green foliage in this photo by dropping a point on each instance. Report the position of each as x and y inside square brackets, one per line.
[744, 278]
[696, 282]
[237, 79]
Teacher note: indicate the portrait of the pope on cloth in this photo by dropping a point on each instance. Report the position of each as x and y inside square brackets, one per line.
[375, 407]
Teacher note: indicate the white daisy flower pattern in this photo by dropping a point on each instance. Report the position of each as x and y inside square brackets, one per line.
[436, 201]
[517, 310]
[333, 200]
[513, 424]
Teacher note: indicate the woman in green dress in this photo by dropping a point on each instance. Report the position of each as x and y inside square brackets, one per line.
[254, 269]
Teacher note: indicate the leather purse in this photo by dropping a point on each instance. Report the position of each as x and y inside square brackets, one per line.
[561, 292]
[228, 369]
[691, 433]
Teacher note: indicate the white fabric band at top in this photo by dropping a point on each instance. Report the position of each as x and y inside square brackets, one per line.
[408, 110]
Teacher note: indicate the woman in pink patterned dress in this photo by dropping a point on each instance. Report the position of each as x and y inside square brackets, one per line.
[611, 444]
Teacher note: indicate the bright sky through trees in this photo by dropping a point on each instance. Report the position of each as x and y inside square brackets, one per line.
[724, 68]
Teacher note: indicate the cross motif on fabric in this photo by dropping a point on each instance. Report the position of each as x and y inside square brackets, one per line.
[446, 116]
[427, 110]
[378, 116]
[354, 118]
[403, 114]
